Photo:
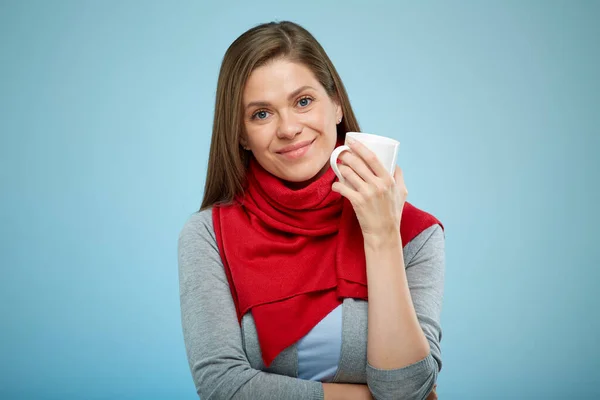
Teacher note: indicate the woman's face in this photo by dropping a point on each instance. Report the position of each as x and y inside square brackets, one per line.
[290, 121]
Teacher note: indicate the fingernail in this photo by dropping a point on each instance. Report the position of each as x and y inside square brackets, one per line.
[350, 141]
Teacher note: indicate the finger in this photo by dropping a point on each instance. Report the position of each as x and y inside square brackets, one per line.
[398, 176]
[345, 191]
[369, 158]
[359, 166]
[351, 177]
[399, 179]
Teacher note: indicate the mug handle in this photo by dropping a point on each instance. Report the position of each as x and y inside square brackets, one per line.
[333, 160]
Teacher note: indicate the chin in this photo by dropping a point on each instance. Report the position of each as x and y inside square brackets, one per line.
[306, 173]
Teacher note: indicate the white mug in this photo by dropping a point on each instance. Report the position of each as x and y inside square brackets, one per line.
[386, 150]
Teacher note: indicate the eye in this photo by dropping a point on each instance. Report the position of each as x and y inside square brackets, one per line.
[305, 101]
[260, 114]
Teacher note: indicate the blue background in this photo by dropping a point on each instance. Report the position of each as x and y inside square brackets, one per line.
[105, 120]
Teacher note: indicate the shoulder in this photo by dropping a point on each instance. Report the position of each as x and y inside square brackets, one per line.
[197, 232]
[431, 239]
[422, 232]
[416, 219]
[198, 252]
[199, 223]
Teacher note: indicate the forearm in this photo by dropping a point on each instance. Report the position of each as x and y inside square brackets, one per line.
[340, 391]
[395, 338]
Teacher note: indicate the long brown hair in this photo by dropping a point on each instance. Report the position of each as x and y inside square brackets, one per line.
[228, 161]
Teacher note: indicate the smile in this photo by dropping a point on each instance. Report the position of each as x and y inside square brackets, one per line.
[296, 151]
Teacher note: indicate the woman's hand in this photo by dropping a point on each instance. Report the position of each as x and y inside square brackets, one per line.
[377, 199]
[346, 391]
[433, 394]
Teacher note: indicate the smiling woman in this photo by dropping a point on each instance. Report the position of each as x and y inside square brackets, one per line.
[294, 285]
[290, 121]
[269, 79]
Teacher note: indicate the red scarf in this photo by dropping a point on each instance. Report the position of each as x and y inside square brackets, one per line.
[292, 256]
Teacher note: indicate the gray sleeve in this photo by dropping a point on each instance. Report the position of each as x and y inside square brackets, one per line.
[425, 273]
[211, 331]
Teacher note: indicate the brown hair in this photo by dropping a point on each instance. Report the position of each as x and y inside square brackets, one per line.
[228, 161]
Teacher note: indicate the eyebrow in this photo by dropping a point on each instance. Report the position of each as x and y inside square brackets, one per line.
[290, 97]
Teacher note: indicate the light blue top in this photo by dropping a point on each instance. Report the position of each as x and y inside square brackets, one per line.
[319, 351]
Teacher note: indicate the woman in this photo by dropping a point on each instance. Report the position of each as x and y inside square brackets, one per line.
[274, 266]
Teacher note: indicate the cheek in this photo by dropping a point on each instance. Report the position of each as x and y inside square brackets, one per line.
[320, 120]
[257, 136]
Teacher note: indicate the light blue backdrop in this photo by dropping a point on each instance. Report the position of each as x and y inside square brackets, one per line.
[105, 115]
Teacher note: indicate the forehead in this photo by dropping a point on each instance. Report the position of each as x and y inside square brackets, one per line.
[276, 79]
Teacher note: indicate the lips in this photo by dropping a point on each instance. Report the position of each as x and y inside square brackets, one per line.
[296, 146]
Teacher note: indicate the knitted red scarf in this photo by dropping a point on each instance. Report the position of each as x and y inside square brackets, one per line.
[292, 256]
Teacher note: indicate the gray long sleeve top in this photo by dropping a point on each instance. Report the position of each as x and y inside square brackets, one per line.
[225, 358]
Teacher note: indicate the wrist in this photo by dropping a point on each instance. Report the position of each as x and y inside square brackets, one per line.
[381, 241]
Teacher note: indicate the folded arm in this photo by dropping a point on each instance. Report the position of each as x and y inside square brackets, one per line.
[212, 335]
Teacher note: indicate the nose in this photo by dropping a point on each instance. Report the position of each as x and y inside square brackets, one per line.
[289, 126]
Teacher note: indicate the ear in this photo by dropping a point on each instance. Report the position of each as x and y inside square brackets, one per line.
[339, 114]
[244, 143]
